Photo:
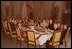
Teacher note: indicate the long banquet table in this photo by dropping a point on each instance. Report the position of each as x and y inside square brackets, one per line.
[41, 37]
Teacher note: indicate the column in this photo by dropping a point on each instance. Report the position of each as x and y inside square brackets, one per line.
[24, 10]
[61, 5]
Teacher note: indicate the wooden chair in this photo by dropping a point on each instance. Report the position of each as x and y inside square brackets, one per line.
[66, 37]
[24, 35]
[5, 26]
[31, 38]
[20, 36]
[18, 33]
[56, 39]
[13, 33]
[7, 29]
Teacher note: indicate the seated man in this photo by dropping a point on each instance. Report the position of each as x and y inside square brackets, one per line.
[64, 32]
[50, 26]
[47, 43]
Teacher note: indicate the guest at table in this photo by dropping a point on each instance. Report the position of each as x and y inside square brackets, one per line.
[64, 32]
[59, 26]
[19, 24]
[50, 26]
[30, 22]
[42, 24]
[62, 27]
[15, 23]
[55, 27]
[12, 24]
[38, 26]
[25, 21]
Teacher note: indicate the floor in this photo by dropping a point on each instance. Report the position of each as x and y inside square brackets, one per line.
[6, 42]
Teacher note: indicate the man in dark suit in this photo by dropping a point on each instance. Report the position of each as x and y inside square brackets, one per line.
[50, 26]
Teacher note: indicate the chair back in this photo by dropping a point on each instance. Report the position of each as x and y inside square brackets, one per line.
[4, 25]
[31, 27]
[31, 37]
[67, 33]
[56, 36]
[18, 32]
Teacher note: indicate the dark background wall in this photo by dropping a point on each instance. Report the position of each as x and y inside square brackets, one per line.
[41, 9]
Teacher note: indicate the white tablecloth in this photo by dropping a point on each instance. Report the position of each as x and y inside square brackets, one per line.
[43, 38]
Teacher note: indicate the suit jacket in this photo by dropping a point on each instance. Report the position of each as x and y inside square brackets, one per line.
[50, 26]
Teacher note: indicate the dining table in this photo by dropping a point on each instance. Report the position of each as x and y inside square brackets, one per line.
[41, 36]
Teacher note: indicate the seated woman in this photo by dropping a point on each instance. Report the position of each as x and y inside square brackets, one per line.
[62, 27]
[23, 31]
[38, 26]
[15, 23]
[30, 22]
[55, 27]
[59, 26]
[19, 24]
[44, 24]
[25, 21]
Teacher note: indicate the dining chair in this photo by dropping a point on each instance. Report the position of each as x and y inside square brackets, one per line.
[31, 38]
[21, 37]
[56, 39]
[12, 33]
[6, 29]
[18, 36]
[66, 37]
[24, 35]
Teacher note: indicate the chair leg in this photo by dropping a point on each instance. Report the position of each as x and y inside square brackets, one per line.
[35, 46]
[65, 44]
[27, 45]
[11, 38]
[39, 46]
[17, 42]
[58, 46]
[20, 43]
